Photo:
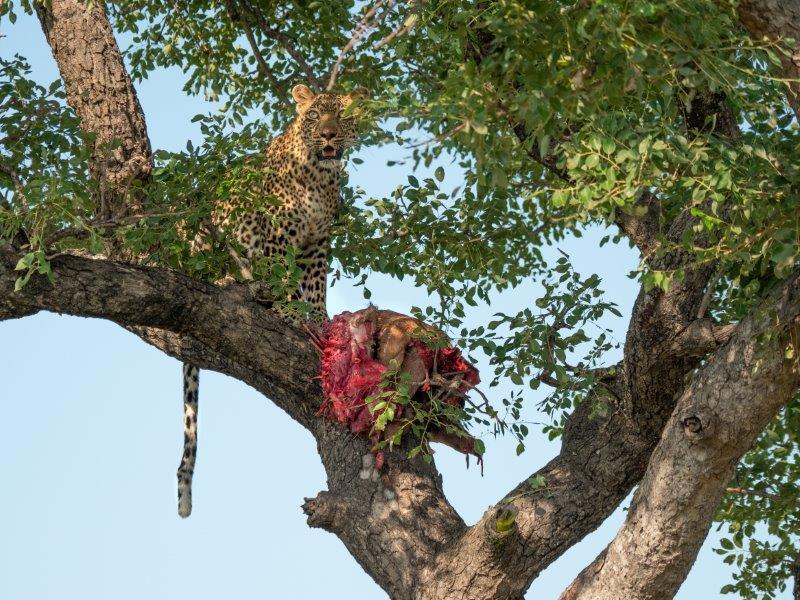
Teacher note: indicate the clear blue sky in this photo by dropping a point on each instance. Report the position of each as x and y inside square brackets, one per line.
[90, 437]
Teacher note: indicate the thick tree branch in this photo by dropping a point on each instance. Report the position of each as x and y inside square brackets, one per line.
[701, 337]
[729, 402]
[602, 457]
[101, 93]
[394, 527]
[397, 524]
[160, 298]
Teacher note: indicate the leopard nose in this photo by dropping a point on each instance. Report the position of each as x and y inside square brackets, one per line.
[328, 133]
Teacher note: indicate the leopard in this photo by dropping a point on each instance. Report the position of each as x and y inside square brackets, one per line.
[302, 170]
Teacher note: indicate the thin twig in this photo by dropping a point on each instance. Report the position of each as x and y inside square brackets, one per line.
[712, 285]
[18, 189]
[263, 67]
[408, 25]
[32, 119]
[440, 137]
[364, 24]
[284, 41]
[755, 493]
[85, 229]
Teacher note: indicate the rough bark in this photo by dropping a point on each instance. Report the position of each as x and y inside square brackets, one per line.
[100, 91]
[400, 529]
[728, 403]
[393, 534]
[777, 20]
[602, 457]
[410, 540]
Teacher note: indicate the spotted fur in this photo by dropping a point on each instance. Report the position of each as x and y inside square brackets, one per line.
[191, 385]
[302, 169]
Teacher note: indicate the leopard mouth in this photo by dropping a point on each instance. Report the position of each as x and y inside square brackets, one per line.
[328, 152]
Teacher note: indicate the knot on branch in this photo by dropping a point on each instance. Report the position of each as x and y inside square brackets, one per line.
[503, 524]
[701, 337]
[326, 511]
[697, 425]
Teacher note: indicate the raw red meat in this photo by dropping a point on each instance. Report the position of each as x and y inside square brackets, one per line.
[351, 373]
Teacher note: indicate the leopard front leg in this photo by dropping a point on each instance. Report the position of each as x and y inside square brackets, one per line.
[314, 280]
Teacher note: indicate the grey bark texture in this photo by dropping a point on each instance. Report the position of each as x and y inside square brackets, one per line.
[716, 420]
[225, 330]
[401, 529]
[100, 91]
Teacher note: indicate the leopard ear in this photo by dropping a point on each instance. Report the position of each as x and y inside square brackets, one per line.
[360, 93]
[302, 94]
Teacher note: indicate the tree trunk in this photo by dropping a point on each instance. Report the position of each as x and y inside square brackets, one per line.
[100, 91]
[729, 402]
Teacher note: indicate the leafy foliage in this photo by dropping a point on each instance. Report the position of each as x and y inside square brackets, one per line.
[762, 510]
[551, 116]
[43, 168]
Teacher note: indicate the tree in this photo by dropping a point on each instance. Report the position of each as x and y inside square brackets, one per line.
[673, 123]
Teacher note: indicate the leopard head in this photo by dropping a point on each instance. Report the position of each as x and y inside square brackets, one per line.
[327, 122]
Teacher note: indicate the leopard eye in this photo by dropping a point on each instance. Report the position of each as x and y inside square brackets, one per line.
[312, 114]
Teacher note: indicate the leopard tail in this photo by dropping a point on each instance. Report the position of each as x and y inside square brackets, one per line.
[186, 468]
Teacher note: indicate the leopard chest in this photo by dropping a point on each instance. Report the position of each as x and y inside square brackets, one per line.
[307, 204]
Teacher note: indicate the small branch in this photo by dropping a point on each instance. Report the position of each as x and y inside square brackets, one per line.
[712, 285]
[366, 23]
[702, 337]
[31, 120]
[407, 25]
[105, 225]
[438, 138]
[15, 179]
[263, 67]
[549, 161]
[640, 228]
[754, 493]
[549, 380]
[284, 41]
